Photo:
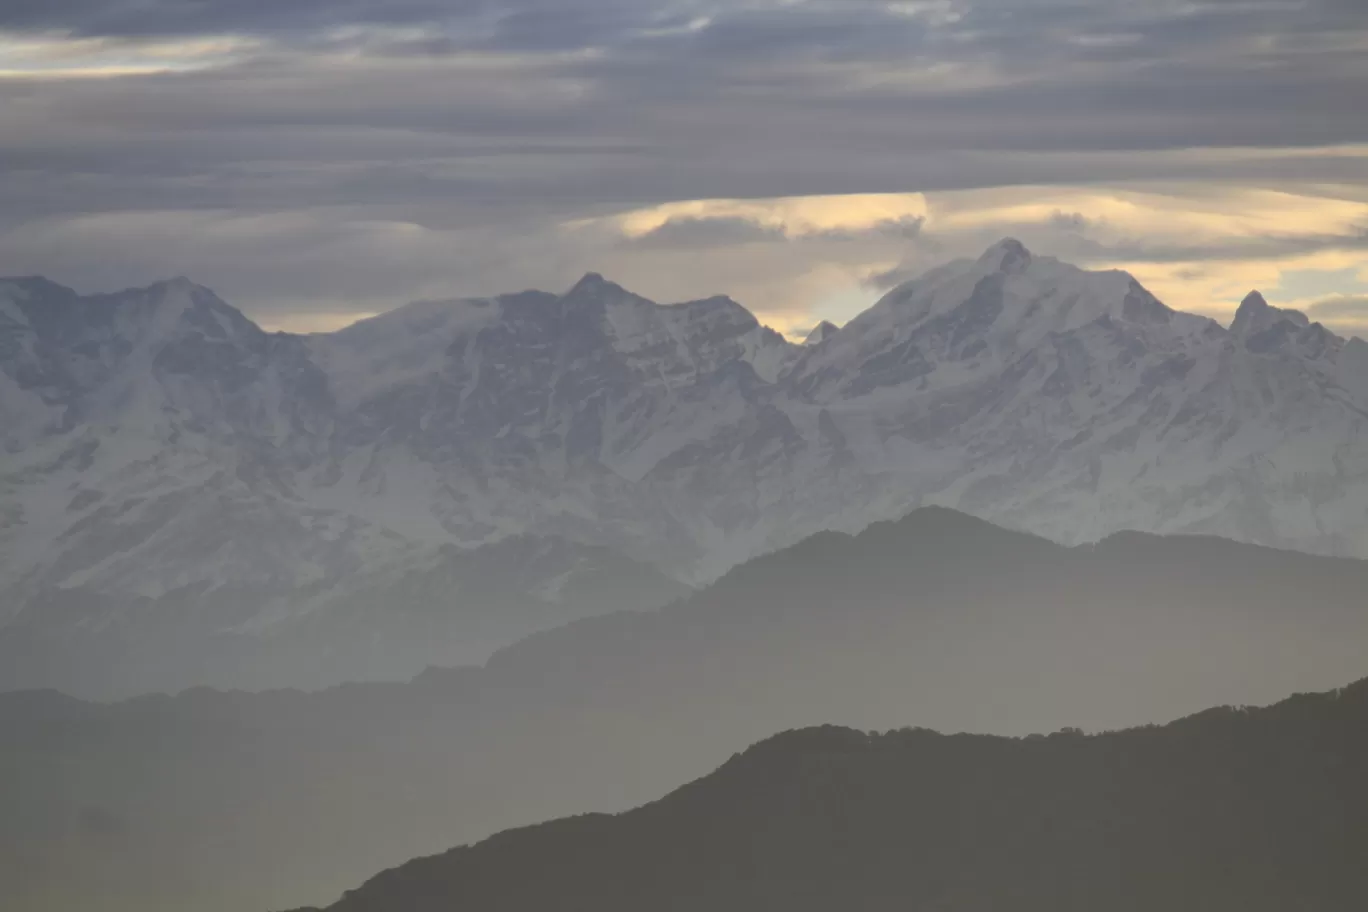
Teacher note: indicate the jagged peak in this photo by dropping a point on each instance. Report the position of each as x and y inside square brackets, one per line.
[593, 291]
[36, 283]
[1006, 254]
[1255, 315]
[178, 304]
[592, 282]
[716, 302]
[164, 302]
[165, 289]
[180, 292]
[821, 333]
[176, 284]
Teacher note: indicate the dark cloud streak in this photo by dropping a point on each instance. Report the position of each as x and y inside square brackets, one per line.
[1353, 309]
[701, 233]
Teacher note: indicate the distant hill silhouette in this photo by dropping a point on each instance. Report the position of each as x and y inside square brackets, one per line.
[1252, 810]
[211, 801]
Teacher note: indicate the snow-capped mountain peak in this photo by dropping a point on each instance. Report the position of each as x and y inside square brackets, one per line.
[593, 291]
[593, 283]
[1256, 315]
[1008, 287]
[401, 347]
[1006, 255]
[159, 445]
[823, 331]
[971, 318]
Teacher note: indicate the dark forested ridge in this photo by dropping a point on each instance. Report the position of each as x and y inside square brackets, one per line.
[1231, 810]
[939, 620]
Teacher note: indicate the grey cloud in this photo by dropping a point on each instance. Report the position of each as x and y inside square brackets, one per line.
[852, 29]
[525, 24]
[1074, 222]
[1347, 316]
[1071, 236]
[858, 31]
[1253, 248]
[888, 279]
[908, 228]
[558, 26]
[1085, 238]
[695, 233]
[1352, 309]
[322, 261]
[768, 99]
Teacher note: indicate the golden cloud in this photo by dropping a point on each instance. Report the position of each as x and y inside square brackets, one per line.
[797, 217]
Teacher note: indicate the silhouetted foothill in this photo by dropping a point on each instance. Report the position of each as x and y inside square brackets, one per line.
[1233, 809]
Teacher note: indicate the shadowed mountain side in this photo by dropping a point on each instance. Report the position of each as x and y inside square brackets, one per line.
[908, 615]
[938, 620]
[1258, 810]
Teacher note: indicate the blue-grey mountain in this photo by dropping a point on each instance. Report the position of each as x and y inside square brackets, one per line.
[173, 474]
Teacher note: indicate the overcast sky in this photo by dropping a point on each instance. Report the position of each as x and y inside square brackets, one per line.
[319, 160]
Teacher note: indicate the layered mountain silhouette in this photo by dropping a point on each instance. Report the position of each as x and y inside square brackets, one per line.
[234, 801]
[173, 474]
[1260, 810]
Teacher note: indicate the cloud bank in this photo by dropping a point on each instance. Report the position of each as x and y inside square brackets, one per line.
[315, 159]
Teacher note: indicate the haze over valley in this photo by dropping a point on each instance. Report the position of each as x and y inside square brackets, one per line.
[940, 617]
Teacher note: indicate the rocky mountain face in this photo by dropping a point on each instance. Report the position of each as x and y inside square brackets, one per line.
[176, 506]
[821, 332]
[1253, 809]
[167, 462]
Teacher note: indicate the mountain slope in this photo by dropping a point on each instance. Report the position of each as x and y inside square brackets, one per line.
[160, 449]
[1260, 809]
[161, 526]
[938, 620]
[1074, 404]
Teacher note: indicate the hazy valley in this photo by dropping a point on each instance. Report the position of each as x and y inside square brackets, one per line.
[220, 801]
[1254, 809]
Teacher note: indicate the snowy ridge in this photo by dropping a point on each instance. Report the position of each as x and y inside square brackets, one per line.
[158, 445]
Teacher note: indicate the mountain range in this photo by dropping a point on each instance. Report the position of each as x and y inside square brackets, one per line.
[1261, 810]
[177, 482]
[233, 801]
